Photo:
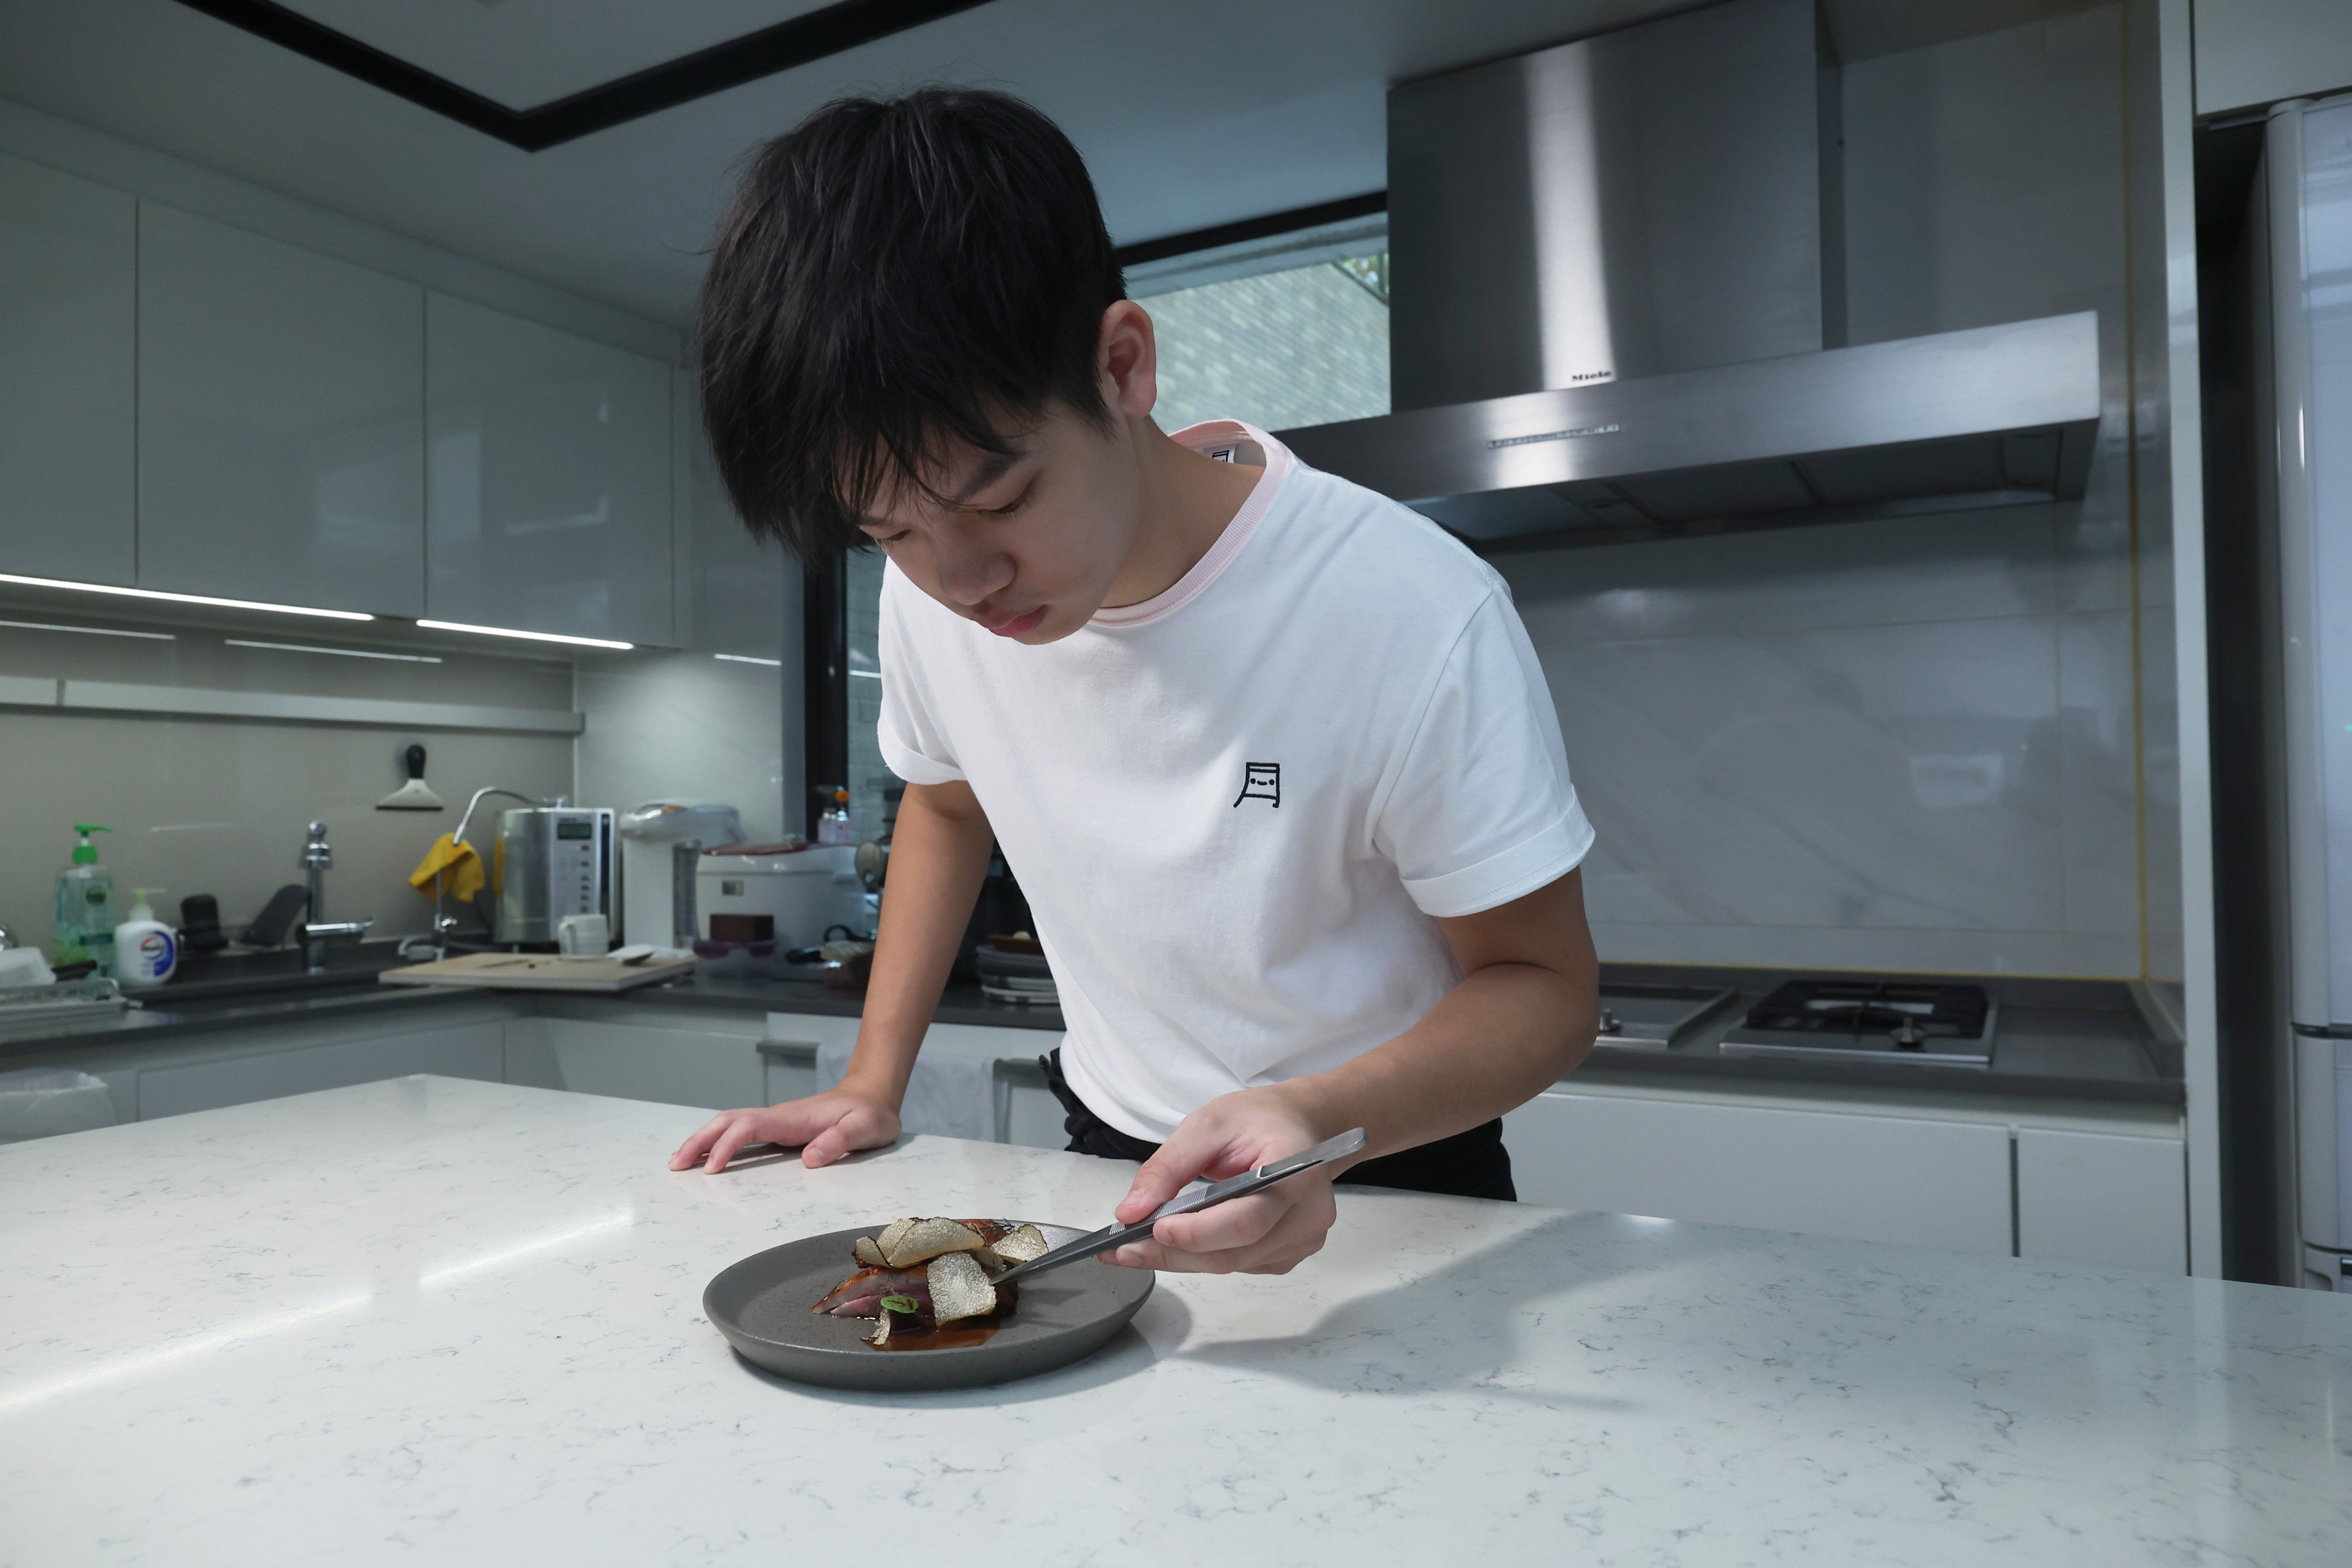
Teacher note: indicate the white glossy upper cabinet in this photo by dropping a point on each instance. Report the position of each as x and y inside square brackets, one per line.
[548, 493]
[281, 398]
[69, 311]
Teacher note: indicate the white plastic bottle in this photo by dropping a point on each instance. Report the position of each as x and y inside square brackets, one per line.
[146, 950]
[834, 827]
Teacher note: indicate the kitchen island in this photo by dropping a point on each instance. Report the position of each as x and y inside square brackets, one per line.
[437, 1320]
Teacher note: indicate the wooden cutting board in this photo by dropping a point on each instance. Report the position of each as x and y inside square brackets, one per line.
[539, 971]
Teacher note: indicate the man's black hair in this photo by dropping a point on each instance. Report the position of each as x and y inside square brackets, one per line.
[896, 276]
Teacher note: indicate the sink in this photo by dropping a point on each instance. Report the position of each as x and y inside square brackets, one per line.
[244, 971]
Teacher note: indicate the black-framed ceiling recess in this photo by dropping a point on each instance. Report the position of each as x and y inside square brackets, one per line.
[829, 30]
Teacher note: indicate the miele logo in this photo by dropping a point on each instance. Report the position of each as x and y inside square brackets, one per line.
[1592, 375]
[1554, 435]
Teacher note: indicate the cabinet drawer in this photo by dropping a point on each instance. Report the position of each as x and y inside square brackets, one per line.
[465, 1050]
[705, 1069]
[2104, 1199]
[1870, 1178]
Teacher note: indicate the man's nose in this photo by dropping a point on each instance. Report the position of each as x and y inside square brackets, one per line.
[969, 574]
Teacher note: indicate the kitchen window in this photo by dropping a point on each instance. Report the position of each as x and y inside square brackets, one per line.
[1282, 330]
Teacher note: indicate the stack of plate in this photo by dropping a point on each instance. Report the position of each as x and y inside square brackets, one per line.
[1016, 976]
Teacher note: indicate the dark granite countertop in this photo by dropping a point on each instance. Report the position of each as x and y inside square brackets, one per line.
[962, 1004]
[172, 1012]
[2059, 1039]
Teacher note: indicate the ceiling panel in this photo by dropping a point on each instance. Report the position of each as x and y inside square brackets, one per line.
[524, 53]
[1189, 112]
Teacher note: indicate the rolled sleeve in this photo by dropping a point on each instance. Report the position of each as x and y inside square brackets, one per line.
[1481, 809]
[913, 742]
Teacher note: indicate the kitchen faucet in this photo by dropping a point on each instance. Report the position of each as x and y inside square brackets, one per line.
[318, 856]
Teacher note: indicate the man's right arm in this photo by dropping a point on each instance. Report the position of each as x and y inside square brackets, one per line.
[939, 856]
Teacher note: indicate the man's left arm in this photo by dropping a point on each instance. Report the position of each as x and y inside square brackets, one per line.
[1524, 1015]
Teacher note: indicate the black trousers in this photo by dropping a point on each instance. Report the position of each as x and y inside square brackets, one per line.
[1472, 1164]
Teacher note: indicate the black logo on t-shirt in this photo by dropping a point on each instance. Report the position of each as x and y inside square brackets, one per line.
[1261, 781]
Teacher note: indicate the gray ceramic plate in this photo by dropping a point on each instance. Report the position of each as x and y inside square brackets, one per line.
[762, 1305]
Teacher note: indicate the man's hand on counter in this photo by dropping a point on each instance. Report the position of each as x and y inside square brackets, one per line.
[1270, 1232]
[823, 1127]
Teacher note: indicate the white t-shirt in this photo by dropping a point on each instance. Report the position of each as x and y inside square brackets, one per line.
[1236, 806]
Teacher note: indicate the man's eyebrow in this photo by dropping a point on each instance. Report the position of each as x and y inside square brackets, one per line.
[993, 465]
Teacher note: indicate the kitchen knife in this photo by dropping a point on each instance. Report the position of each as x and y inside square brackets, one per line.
[1190, 1201]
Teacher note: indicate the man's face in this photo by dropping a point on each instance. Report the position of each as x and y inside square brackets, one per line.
[1034, 541]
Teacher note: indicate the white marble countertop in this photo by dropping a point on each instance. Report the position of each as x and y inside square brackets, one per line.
[450, 1322]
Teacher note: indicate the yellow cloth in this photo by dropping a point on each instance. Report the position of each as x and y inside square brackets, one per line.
[451, 864]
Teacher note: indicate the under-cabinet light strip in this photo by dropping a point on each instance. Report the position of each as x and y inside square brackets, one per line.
[338, 652]
[90, 631]
[186, 598]
[750, 658]
[526, 636]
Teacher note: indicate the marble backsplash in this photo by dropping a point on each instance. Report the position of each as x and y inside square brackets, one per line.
[1896, 745]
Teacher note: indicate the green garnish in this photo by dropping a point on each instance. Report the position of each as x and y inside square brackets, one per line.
[898, 1303]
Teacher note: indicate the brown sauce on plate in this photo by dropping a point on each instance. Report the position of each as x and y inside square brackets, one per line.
[956, 1336]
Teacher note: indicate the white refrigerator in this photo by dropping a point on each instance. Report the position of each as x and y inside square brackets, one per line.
[2309, 169]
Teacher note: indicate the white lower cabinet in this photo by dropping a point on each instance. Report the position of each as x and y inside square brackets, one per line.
[697, 1063]
[2097, 1198]
[1026, 1112]
[1031, 1116]
[1970, 1180]
[460, 1050]
[1867, 1177]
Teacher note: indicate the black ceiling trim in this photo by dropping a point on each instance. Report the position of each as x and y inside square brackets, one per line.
[845, 25]
[1265, 228]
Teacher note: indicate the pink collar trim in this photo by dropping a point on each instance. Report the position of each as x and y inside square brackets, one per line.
[1205, 571]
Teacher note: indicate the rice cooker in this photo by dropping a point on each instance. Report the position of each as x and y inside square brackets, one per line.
[805, 888]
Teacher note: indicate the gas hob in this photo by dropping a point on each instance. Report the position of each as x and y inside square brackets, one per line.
[1905, 1021]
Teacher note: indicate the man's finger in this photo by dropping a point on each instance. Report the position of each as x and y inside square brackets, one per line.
[1228, 1227]
[740, 1131]
[1190, 1153]
[826, 1147]
[697, 1146]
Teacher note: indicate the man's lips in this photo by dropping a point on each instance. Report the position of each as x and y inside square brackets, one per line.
[1014, 626]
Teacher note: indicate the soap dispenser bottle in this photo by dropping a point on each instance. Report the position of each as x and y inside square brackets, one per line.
[85, 908]
[146, 950]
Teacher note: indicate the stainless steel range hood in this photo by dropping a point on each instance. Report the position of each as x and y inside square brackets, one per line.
[1618, 305]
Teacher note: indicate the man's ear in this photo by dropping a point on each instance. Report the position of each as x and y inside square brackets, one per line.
[1127, 358]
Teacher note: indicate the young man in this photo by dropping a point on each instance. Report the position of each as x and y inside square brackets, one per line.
[1271, 754]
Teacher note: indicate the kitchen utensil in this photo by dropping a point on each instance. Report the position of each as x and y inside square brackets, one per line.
[762, 1304]
[583, 936]
[1190, 1201]
[414, 794]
